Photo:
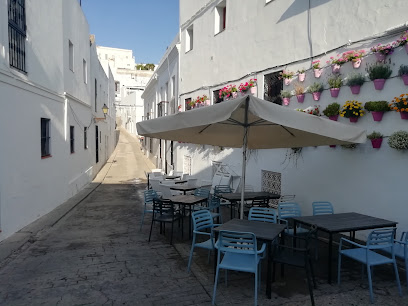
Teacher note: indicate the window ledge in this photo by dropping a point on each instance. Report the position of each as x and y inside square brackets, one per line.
[46, 156]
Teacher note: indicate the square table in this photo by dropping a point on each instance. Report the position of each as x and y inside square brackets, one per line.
[235, 197]
[183, 188]
[337, 223]
[263, 230]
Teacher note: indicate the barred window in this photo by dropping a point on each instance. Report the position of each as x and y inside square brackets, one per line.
[17, 34]
[72, 139]
[45, 137]
[272, 87]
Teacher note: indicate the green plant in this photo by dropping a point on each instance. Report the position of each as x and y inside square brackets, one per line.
[377, 106]
[403, 70]
[352, 109]
[355, 79]
[315, 87]
[335, 82]
[375, 135]
[332, 109]
[285, 94]
[286, 74]
[299, 88]
[379, 71]
[398, 140]
[301, 70]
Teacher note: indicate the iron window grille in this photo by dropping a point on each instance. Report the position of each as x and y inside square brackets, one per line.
[17, 34]
[187, 103]
[216, 96]
[85, 138]
[45, 137]
[72, 139]
[273, 85]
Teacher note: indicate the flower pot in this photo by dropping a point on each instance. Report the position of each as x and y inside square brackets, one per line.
[380, 57]
[234, 94]
[334, 92]
[253, 90]
[353, 119]
[332, 146]
[316, 95]
[404, 115]
[207, 102]
[405, 76]
[357, 63]
[286, 101]
[336, 68]
[301, 77]
[379, 84]
[318, 73]
[376, 143]
[334, 117]
[377, 116]
[300, 98]
[355, 89]
[287, 81]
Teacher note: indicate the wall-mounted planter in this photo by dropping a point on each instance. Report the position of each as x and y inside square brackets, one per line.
[379, 84]
[405, 76]
[376, 143]
[357, 63]
[287, 81]
[301, 77]
[300, 98]
[334, 92]
[404, 115]
[355, 89]
[253, 90]
[380, 57]
[316, 95]
[286, 101]
[334, 117]
[353, 119]
[318, 73]
[377, 116]
[234, 94]
[336, 68]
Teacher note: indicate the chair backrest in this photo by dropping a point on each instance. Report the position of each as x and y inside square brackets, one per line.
[322, 208]
[163, 206]
[262, 214]
[202, 192]
[222, 189]
[214, 203]
[149, 195]
[289, 210]
[202, 219]
[192, 182]
[381, 238]
[237, 242]
[260, 202]
[165, 191]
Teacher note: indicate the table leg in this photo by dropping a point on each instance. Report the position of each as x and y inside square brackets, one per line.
[269, 272]
[329, 266]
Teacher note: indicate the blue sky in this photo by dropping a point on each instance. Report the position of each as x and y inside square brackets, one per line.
[145, 26]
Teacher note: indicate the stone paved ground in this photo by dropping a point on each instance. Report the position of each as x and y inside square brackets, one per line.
[96, 255]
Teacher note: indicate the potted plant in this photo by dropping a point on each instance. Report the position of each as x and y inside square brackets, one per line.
[377, 109]
[285, 94]
[381, 51]
[336, 63]
[376, 139]
[248, 86]
[287, 76]
[379, 73]
[355, 81]
[335, 83]
[299, 91]
[403, 73]
[202, 101]
[225, 93]
[316, 68]
[398, 140]
[234, 91]
[352, 110]
[332, 111]
[316, 90]
[400, 105]
[354, 56]
[301, 75]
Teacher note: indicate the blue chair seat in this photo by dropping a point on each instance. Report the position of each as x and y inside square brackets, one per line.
[360, 255]
[208, 244]
[239, 262]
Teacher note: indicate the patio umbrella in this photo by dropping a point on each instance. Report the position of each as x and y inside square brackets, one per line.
[253, 123]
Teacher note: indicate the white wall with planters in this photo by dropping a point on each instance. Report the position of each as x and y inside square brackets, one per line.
[50, 86]
[263, 38]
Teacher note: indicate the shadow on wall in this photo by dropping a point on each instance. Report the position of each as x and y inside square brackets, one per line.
[300, 6]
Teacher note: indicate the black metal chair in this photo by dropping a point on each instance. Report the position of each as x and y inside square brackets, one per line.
[297, 257]
[164, 211]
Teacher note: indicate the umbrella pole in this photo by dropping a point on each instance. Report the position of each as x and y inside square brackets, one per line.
[244, 158]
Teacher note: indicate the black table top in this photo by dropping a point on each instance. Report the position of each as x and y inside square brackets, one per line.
[187, 199]
[183, 188]
[262, 230]
[236, 196]
[172, 177]
[345, 222]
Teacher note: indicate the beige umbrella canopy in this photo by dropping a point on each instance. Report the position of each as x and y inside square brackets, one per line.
[253, 123]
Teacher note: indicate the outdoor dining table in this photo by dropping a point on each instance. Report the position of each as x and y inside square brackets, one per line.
[183, 188]
[344, 222]
[265, 231]
[235, 197]
[172, 177]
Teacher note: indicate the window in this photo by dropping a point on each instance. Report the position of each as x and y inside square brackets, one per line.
[85, 138]
[72, 139]
[216, 96]
[220, 17]
[85, 71]
[171, 153]
[267, 1]
[187, 104]
[273, 85]
[96, 144]
[71, 55]
[45, 137]
[160, 109]
[17, 34]
[173, 82]
[189, 38]
[117, 86]
[96, 94]
[150, 145]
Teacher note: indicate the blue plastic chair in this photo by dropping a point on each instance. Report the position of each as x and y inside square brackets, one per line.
[240, 253]
[322, 208]
[219, 189]
[289, 210]
[204, 193]
[202, 220]
[149, 195]
[401, 251]
[378, 240]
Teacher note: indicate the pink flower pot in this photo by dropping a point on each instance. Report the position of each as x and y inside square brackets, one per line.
[336, 68]
[355, 89]
[376, 143]
[286, 101]
[318, 73]
[357, 63]
[354, 119]
[253, 90]
[377, 116]
[334, 92]
[300, 98]
[287, 81]
[332, 146]
[405, 76]
[316, 95]
[380, 57]
[207, 102]
[301, 77]
[334, 117]
[379, 84]
[404, 115]
[234, 95]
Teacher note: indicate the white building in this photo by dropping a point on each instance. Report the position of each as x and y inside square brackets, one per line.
[228, 42]
[55, 136]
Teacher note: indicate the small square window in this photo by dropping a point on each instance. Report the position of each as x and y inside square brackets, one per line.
[72, 139]
[85, 138]
[189, 38]
[45, 137]
[220, 17]
[85, 71]
[71, 55]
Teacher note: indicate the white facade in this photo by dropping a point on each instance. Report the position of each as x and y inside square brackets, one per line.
[262, 37]
[58, 85]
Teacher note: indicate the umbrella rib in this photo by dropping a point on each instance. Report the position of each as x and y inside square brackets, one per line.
[287, 130]
[204, 129]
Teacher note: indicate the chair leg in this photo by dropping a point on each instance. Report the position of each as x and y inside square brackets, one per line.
[397, 278]
[338, 269]
[370, 284]
[215, 285]
[151, 228]
[309, 283]
[191, 253]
